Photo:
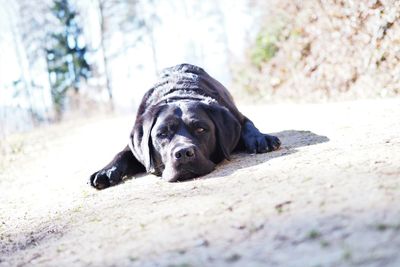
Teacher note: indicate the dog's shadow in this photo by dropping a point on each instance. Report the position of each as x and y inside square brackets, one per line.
[291, 140]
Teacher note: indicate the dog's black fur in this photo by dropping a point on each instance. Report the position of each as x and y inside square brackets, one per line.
[185, 125]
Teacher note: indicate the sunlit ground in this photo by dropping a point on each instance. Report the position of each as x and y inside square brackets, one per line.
[328, 197]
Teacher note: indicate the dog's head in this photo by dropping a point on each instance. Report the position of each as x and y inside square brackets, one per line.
[184, 139]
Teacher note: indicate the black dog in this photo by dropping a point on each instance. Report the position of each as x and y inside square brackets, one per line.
[185, 125]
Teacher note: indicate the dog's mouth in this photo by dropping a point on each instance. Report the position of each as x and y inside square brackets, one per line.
[186, 172]
[182, 176]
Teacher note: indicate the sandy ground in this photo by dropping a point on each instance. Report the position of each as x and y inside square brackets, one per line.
[329, 197]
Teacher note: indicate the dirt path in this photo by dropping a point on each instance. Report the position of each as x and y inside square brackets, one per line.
[329, 197]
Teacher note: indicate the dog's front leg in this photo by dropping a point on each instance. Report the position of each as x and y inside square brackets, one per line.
[253, 141]
[123, 164]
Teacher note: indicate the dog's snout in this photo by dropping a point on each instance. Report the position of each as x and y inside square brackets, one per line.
[184, 154]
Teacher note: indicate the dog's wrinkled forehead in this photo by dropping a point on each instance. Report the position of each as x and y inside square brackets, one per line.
[186, 111]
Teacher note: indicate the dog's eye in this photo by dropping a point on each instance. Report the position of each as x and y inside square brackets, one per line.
[163, 134]
[200, 130]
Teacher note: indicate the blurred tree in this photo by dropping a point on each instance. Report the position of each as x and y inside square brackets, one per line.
[66, 54]
[148, 20]
[103, 29]
[29, 25]
[136, 20]
[25, 75]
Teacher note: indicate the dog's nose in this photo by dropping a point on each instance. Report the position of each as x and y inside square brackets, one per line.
[184, 154]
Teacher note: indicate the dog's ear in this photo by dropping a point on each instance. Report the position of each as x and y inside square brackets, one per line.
[140, 139]
[227, 129]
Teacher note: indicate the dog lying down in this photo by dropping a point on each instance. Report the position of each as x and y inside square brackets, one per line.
[186, 124]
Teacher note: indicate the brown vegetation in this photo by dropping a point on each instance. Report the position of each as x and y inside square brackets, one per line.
[325, 49]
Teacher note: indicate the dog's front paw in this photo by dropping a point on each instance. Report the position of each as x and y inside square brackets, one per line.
[261, 143]
[105, 178]
[273, 142]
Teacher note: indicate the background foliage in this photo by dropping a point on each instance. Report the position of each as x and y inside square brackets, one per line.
[324, 50]
[66, 54]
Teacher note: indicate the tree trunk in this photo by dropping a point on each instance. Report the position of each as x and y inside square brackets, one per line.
[103, 48]
[153, 48]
